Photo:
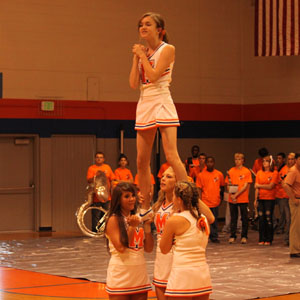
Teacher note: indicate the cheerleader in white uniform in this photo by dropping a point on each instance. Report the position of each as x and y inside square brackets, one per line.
[151, 71]
[187, 233]
[162, 210]
[127, 277]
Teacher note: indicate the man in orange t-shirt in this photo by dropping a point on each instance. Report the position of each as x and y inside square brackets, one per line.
[201, 166]
[92, 171]
[123, 173]
[239, 177]
[193, 161]
[211, 184]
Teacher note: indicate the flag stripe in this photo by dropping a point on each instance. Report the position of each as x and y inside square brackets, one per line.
[277, 27]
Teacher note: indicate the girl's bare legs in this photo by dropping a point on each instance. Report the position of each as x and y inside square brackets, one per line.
[160, 293]
[203, 297]
[144, 143]
[141, 296]
[169, 141]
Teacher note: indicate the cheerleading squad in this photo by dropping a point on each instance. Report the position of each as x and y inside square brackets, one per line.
[184, 210]
[182, 220]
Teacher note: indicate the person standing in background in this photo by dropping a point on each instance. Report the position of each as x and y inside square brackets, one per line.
[292, 187]
[192, 161]
[265, 182]
[240, 177]
[281, 197]
[211, 186]
[262, 152]
[122, 173]
[91, 173]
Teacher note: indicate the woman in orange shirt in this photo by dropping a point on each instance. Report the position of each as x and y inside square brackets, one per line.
[265, 182]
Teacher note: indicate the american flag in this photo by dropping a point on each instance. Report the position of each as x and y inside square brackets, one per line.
[277, 27]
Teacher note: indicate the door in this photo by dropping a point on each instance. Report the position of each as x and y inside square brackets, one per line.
[17, 206]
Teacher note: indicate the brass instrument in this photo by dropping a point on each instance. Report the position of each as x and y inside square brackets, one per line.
[99, 188]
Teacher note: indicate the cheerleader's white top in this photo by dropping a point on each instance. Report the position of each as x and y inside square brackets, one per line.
[189, 248]
[161, 86]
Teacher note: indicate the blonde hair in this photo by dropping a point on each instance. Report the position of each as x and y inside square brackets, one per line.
[239, 155]
[161, 195]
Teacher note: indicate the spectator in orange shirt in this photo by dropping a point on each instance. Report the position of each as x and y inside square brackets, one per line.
[136, 182]
[123, 173]
[211, 186]
[262, 152]
[162, 169]
[192, 161]
[92, 171]
[200, 167]
[238, 182]
[265, 182]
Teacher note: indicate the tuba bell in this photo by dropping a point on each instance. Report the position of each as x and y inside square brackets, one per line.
[98, 188]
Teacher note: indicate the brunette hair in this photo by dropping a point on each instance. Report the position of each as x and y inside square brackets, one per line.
[188, 193]
[160, 23]
[115, 208]
[271, 160]
[123, 156]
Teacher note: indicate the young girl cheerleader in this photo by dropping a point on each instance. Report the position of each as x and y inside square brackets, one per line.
[186, 232]
[127, 277]
[265, 182]
[151, 71]
[163, 209]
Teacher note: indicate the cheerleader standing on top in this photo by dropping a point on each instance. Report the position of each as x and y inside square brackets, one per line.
[151, 71]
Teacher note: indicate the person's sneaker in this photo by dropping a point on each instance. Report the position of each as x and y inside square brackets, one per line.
[243, 240]
[261, 243]
[231, 240]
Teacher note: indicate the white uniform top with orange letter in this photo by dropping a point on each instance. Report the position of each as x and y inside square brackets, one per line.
[127, 272]
[163, 262]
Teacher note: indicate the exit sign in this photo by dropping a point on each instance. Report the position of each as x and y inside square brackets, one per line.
[47, 106]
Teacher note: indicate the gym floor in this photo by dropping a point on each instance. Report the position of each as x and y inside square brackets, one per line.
[70, 266]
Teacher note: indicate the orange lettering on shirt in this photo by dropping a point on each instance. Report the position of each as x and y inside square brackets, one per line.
[137, 241]
[160, 222]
